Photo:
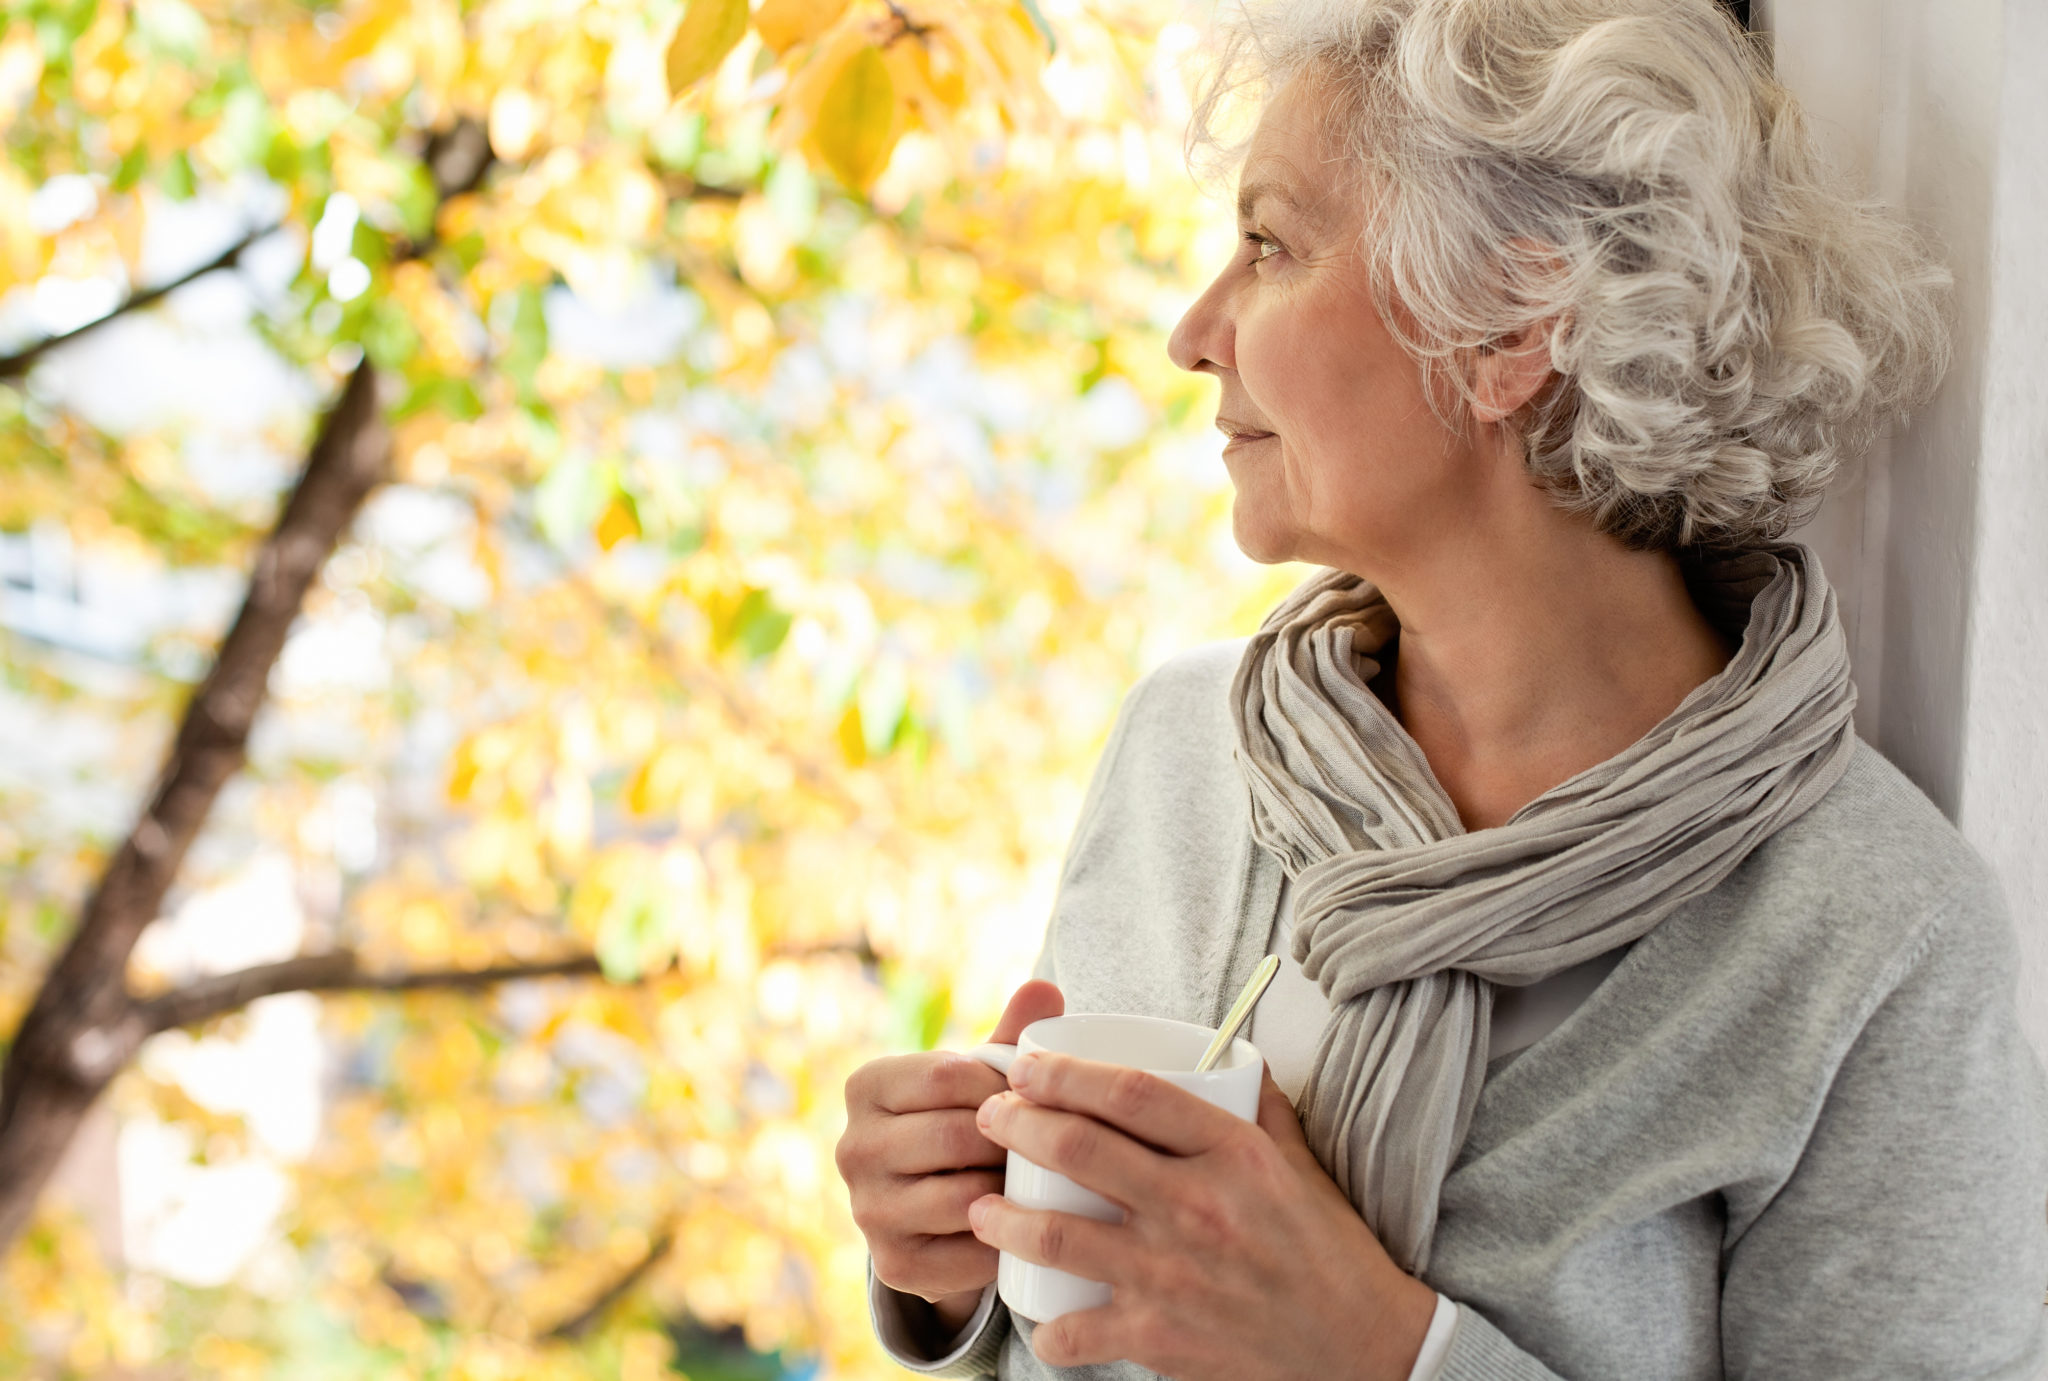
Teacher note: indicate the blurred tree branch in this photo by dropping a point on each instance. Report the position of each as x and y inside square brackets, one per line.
[76, 1035]
[337, 972]
[15, 365]
[457, 159]
[84, 1024]
[586, 1318]
[341, 971]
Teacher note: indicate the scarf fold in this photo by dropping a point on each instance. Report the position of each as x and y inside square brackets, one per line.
[1407, 921]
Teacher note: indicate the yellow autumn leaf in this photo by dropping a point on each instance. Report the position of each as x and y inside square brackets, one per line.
[618, 523]
[659, 781]
[708, 31]
[462, 773]
[783, 24]
[857, 119]
[852, 736]
[916, 69]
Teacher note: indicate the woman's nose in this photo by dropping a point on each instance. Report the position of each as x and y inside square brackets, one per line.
[1205, 334]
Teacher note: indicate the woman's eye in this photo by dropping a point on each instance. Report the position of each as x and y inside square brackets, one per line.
[1262, 248]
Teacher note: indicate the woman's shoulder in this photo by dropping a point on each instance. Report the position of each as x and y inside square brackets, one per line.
[1168, 781]
[1193, 682]
[1176, 723]
[1875, 843]
[1850, 897]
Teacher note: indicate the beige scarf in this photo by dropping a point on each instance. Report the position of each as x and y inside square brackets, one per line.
[1407, 921]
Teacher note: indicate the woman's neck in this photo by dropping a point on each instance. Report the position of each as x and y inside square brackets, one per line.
[1525, 658]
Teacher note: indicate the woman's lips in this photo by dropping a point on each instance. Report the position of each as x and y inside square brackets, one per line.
[1246, 439]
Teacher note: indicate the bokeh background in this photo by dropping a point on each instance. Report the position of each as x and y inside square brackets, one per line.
[781, 479]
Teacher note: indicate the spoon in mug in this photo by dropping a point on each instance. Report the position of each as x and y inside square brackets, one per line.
[1240, 1012]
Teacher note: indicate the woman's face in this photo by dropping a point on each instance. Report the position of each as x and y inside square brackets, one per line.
[1335, 454]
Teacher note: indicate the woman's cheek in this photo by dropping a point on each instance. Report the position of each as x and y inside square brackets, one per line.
[1262, 363]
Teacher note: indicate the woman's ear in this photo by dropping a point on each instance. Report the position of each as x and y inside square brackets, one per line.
[1510, 371]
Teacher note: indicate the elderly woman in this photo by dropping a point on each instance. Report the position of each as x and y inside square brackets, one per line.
[1638, 1021]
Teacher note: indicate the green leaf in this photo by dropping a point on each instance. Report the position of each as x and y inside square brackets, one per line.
[1052, 45]
[132, 166]
[569, 498]
[242, 138]
[884, 701]
[171, 28]
[757, 626]
[439, 393]
[176, 179]
[543, 430]
[59, 26]
[50, 921]
[793, 196]
[623, 937]
[918, 1009]
[416, 201]
[528, 343]
[386, 333]
[676, 140]
[466, 250]
[1097, 368]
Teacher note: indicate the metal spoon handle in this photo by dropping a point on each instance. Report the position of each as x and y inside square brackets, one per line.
[1240, 1012]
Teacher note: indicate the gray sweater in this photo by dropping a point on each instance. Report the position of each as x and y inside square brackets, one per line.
[1797, 1133]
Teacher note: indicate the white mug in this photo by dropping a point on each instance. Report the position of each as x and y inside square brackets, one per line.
[1169, 1049]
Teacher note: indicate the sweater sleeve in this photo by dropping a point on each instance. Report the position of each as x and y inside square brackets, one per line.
[973, 1351]
[1481, 1352]
[1911, 1241]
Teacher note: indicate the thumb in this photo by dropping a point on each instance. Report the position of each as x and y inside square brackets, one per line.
[1034, 1000]
[1278, 1119]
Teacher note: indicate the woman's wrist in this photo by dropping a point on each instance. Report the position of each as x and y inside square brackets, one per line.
[938, 1322]
[1402, 1325]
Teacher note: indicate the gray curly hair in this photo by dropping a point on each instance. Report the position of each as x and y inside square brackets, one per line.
[1727, 323]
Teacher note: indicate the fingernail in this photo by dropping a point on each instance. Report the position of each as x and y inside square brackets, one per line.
[1020, 1070]
[977, 1212]
[986, 1114]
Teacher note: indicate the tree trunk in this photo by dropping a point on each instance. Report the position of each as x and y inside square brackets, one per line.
[84, 1025]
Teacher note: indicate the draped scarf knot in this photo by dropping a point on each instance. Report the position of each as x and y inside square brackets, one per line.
[1407, 921]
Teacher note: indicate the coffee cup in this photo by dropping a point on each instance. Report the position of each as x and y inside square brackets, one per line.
[1169, 1049]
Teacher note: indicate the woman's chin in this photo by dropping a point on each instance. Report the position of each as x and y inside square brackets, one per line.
[1267, 543]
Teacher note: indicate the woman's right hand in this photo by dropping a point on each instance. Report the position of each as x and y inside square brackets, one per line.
[913, 1160]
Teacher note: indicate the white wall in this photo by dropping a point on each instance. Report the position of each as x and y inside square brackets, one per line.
[1938, 540]
[2003, 806]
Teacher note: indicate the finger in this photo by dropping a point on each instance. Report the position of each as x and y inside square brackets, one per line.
[934, 1267]
[1277, 1117]
[1064, 1241]
[1086, 1337]
[922, 1082]
[1144, 1105]
[1087, 1152]
[925, 1143]
[1036, 999]
[936, 1205]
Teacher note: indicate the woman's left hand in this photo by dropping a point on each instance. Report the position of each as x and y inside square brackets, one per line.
[1238, 1257]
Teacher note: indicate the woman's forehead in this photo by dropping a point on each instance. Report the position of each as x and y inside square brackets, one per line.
[1292, 157]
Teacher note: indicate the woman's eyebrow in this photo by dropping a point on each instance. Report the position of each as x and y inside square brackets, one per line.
[1252, 193]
